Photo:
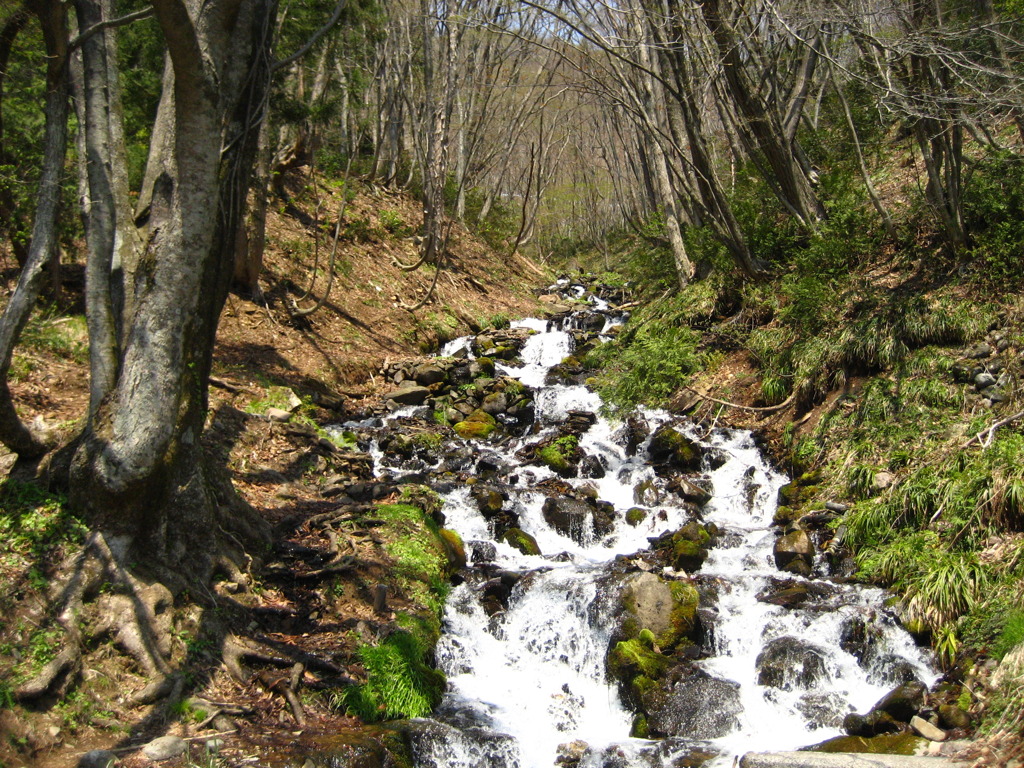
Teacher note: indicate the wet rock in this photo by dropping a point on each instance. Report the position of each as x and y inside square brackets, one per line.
[633, 433]
[788, 662]
[648, 493]
[481, 551]
[894, 669]
[409, 395]
[951, 716]
[671, 448]
[903, 702]
[521, 540]
[794, 553]
[859, 637]
[872, 724]
[592, 467]
[570, 517]
[695, 491]
[787, 597]
[489, 499]
[922, 727]
[165, 748]
[697, 706]
[482, 367]
[822, 710]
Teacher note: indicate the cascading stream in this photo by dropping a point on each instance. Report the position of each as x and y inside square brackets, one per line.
[530, 677]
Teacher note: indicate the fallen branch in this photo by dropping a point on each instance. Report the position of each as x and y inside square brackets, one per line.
[984, 437]
[762, 409]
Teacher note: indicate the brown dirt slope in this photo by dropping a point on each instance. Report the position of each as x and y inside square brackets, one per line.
[286, 470]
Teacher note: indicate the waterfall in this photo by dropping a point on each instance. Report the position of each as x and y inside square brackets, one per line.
[527, 683]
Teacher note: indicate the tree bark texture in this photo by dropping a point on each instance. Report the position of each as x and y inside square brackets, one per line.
[139, 470]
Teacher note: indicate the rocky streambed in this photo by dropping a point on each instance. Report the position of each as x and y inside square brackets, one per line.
[639, 592]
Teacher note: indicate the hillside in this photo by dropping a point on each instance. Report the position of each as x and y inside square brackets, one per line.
[322, 368]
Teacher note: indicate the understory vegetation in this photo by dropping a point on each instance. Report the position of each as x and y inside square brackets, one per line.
[869, 347]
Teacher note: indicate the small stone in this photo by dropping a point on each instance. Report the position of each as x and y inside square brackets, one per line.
[980, 351]
[278, 414]
[883, 480]
[994, 394]
[926, 729]
[214, 745]
[97, 758]
[983, 380]
[164, 748]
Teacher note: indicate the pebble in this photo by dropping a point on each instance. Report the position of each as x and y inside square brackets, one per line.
[214, 745]
[164, 748]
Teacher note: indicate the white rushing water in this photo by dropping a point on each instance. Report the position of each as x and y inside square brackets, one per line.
[532, 677]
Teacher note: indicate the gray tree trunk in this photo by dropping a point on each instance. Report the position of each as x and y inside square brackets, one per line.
[139, 470]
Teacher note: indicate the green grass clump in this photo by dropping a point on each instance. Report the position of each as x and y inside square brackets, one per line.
[399, 683]
[650, 360]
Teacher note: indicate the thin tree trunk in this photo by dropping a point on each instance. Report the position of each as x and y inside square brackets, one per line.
[43, 244]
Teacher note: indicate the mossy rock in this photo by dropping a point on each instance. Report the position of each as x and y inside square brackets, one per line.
[486, 366]
[688, 555]
[636, 515]
[630, 658]
[670, 446]
[886, 744]
[784, 515]
[521, 540]
[454, 548]
[639, 729]
[667, 609]
[683, 617]
[690, 547]
[478, 425]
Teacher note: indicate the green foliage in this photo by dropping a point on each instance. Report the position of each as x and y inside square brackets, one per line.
[994, 217]
[392, 223]
[63, 336]
[34, 522]
[399, 682]
[1011, 635]
[651, 359]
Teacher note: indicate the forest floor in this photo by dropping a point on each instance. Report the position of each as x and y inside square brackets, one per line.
[324, 369]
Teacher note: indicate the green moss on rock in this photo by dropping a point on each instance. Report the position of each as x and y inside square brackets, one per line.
[886, 744]
[630, 658]
[521, 540]
[683, 617]
[636, 515]
[479, 424]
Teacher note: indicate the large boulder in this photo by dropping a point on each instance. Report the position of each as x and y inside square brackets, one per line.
[667, 609]
[789, 662]
[695, 705]
[794, 552]
[577, 519]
